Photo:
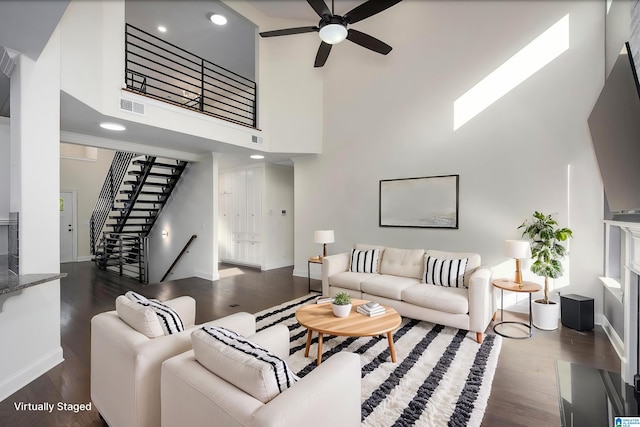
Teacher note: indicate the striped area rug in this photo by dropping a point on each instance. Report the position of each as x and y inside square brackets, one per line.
[442, 376]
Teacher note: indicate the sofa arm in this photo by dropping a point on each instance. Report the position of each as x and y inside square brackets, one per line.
[275, 339]
[185, 306]
[331, 265]
[241, 323]
[482, 303]
[327, 396]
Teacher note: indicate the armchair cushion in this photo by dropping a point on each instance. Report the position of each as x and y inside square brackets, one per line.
[241, 362]
[149, 317]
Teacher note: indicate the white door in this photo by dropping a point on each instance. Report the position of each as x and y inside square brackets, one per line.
[67, 226]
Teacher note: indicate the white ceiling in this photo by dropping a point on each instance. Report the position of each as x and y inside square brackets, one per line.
[300, 9]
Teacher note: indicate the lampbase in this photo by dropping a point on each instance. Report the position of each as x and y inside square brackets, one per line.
[518, 275]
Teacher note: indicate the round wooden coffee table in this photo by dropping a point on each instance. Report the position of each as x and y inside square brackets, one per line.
[320, 318]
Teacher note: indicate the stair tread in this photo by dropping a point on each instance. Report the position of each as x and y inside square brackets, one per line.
[156, 174]
[154, 184]
[160, 164]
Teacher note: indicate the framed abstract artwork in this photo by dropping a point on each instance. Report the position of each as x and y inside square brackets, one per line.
[427, 202]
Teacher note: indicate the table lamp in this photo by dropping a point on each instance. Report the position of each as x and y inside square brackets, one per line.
[323, 237]
[517, 249]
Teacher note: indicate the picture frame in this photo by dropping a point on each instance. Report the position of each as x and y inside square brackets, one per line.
[424, 202]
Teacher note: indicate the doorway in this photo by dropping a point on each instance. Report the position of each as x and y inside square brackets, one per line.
[68, 226]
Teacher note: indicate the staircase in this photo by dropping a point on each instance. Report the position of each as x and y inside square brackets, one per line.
[120, 244]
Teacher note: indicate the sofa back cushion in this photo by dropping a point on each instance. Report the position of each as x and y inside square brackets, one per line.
[243, 363]
[403, 262]
[473, 260]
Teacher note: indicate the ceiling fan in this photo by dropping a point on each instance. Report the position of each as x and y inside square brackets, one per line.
[333, 28]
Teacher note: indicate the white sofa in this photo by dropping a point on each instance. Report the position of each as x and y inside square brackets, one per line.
[193, 396]
[398, 283]
[125, 364]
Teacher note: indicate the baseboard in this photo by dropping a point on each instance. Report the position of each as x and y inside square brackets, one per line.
[84, 258]
[204, 275]
[30, 373]
[614, 338]
[277, 265]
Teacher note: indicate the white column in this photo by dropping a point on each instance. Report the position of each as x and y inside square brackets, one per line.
[215, 215]
[30, 319]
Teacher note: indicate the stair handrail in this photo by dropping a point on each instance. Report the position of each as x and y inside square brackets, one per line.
[115, 176]
[182, 252]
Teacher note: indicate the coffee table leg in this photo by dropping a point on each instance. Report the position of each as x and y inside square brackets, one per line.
[392, 348]
[306, 350]
[319, 348]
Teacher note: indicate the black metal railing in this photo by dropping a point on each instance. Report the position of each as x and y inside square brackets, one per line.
[126, 255]
[110, 187]
[165, 71]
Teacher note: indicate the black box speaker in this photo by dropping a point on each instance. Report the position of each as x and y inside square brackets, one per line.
[576, 312]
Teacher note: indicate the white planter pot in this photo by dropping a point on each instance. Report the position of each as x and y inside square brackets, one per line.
[341, 310]
[545, 316]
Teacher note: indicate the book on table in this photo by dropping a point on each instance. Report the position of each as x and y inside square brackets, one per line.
[323, 300]
[371, 309]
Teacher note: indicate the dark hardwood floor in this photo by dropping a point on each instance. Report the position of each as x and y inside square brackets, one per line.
[524, 388]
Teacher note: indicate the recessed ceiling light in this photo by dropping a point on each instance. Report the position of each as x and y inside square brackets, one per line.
[257, 156]
[112, 126]
[162, 28]
[218, 19]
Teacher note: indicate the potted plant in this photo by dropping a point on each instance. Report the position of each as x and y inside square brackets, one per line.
[341, 304]
[547, 252]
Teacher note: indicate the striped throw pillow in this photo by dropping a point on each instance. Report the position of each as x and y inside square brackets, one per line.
[364, 261]
[444, 272]
[243, 363]
[169, 319]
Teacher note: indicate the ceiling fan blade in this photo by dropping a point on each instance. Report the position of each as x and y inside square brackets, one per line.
[289, 31]
[368, 9]
[320, 7]
[370, 42]
[323, 54]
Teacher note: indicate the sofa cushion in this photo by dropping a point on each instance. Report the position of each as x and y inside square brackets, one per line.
[169, 319]
[245, 364]
[403, 262]
[440, 298]
[350, 280]
[364, 261]
[444, 272]
[473, 261]
[388, 286]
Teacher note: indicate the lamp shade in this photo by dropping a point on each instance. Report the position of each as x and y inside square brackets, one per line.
[517, 249]
[323, 236]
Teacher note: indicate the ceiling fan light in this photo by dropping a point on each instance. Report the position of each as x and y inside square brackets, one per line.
[333, 33]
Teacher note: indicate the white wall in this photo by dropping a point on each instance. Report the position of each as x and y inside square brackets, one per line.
[617, 29]
[391, 117]
[30, 319]
[86, 177]
[278, 196]
[188, 211]
[5, 142]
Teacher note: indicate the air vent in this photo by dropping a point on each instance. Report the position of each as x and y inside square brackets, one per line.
[7, 64]
[256, 139]
[131, 106]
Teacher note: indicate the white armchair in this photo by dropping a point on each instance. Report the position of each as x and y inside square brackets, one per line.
[328, 396]
[125, 364]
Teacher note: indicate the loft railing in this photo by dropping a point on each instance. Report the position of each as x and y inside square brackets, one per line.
[110, 187]
[162, 70]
